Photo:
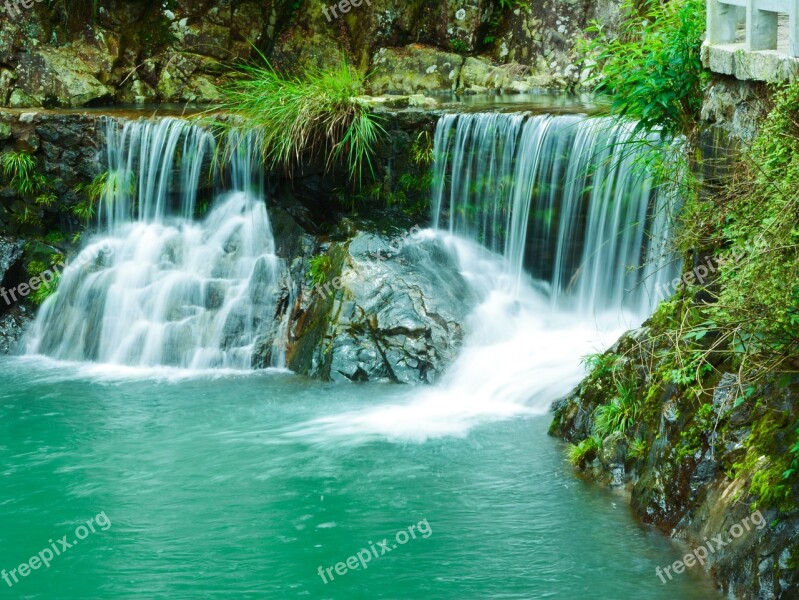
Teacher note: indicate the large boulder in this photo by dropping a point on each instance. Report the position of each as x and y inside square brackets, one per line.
[413, 69]
[546, 37]
[389, 310]
[62, 77]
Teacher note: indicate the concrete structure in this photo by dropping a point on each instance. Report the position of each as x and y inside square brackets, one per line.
[753, 39]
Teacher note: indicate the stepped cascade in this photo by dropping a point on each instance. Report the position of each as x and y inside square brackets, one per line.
[158, 286]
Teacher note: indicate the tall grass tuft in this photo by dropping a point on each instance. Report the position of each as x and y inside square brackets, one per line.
[296, 118]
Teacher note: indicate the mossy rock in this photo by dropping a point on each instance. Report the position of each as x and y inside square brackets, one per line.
[413, 69]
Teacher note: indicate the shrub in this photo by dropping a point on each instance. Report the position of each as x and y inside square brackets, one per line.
[652, 67]
[619, 414]
[319, 266]
[303, 117]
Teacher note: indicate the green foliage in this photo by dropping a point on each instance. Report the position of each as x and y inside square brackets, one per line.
[46, 288]
[773, 477]
[110, 185]
[693, 438]
[34, 190]
[652, 68]
[319, 267]
[458, 46]
[620, 413]
[753, 220]
[19, 169]
[422, 149]
[585, 451]
[793, 468]
[600, 365]
[295, 118]
[637, 449]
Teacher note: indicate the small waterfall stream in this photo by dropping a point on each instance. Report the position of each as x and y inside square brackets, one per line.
[159, 287]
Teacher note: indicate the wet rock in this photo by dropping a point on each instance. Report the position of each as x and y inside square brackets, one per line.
[10, 252]
[184, 78]
[413, 69]
[13, 326]
[392, 310]
[59, 77]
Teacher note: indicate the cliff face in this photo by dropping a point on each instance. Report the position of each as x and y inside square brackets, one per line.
[117, 51]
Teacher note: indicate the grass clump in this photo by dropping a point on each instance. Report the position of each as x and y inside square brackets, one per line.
[584, 452]
[319, 267]
[296, 118]
[620, 414]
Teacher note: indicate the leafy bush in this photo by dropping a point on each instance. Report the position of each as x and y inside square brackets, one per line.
[46, 289]
[297, 118]
[652, 68]
[637, 449]
[756, 308]
[109, 184]
[585, 451]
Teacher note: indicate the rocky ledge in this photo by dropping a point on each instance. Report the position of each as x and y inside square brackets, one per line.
[694, 467]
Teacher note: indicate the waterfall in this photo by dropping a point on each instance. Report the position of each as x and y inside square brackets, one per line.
[562, 234]
[568, 199]
[159, 286]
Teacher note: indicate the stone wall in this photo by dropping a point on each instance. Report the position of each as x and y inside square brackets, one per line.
[735, 107]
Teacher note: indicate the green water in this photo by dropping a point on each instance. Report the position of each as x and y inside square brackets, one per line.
[219, 488]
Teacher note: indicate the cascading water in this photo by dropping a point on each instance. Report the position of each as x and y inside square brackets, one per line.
[567, 198]
[547, 216]
[159, 288]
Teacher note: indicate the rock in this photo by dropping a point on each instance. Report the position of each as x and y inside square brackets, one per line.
[59, 77]
[183, 79]
[477, 73]
[414, 69]
[392, 311]
[12, 327]
[7, 79]
[5, 132]
[737, 107]
[10, 252]
[20, 99]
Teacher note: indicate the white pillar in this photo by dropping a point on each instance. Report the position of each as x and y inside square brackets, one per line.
[761, 28]
[722, 21]
[793, 28]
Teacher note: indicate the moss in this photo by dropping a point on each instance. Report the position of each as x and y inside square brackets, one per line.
[695, 438]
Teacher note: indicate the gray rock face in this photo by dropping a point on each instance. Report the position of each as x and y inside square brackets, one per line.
[12, 323]
[394, 312]
[686, 488]
[10, 253]
[415, 69]
[737, 107]
[12, 327]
